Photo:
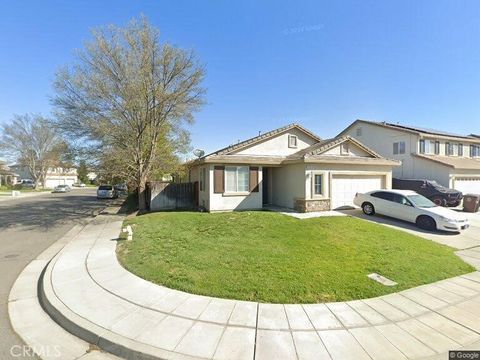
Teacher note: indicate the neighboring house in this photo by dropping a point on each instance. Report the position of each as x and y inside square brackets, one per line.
[289, 167]
[55, 176]
[7, 176]
[452, 160]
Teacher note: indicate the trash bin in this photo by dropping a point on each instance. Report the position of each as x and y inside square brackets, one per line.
[471, 203]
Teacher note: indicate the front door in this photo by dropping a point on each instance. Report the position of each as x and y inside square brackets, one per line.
[265, 180]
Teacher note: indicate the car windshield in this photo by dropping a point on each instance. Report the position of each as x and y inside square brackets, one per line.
[105, 187]
[420, 201]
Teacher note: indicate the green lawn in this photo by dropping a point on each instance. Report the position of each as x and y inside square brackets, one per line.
[269, 257]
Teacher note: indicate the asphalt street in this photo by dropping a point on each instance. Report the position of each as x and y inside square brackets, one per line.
[27, 227]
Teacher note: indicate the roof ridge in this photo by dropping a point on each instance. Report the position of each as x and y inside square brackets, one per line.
[228, 149]
[417, 129]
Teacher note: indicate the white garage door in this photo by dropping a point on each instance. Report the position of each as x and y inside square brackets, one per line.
[467, 185]
[345, 187]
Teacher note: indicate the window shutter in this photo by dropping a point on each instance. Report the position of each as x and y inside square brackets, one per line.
[253, 179]
[218, 180]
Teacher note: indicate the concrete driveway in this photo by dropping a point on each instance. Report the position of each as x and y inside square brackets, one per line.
[467, 242]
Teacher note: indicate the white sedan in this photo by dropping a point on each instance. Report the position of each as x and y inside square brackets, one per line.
[409, 206]
[61, 189]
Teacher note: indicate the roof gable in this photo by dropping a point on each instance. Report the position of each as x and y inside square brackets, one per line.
[323, 147]
[236, 148]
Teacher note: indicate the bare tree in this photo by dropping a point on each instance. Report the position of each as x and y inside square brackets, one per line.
[33, 143]
[130, 96]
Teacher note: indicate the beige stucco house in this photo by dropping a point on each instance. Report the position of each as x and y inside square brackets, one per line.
[55, 175]
[452, 160]
[289, 167]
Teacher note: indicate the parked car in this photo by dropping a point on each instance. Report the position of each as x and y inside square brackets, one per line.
[61, 189]
[28, 183]
[410, 206]
[432, 190]
[106, 192]
[121, 188]
[79, 184]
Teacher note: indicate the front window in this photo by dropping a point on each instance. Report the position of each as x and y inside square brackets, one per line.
[460, 149]
[448, 149]
[292, 141]
[317, 184]
[474, 150]
[236, 179]
[399, 148]
[437, 147]
[422, 146]
[421, 201]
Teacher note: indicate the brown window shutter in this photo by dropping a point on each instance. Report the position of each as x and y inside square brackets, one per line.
[253, 179]
[218, 180]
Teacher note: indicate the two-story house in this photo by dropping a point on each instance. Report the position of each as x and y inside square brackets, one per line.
[452, 160]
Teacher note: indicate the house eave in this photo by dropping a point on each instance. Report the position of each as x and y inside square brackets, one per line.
[351, 161]
[472, 163]
[237, 159]
[279, 161]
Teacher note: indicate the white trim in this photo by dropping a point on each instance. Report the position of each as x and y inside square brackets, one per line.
[324, 175]
[290, 138]
[239, 193]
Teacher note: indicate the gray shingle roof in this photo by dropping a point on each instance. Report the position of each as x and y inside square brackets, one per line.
[229, 149]
[414, 129]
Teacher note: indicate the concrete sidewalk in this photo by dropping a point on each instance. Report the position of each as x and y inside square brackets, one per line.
[42, 336]
[90, 294]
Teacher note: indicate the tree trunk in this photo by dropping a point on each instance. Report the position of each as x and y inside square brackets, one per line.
[142, 199]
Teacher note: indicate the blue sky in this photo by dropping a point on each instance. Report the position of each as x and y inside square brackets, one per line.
[321, 64]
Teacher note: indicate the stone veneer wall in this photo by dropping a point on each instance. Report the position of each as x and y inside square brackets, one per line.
[304, 206]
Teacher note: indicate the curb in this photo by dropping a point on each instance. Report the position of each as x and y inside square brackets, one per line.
[36, 329]
[106, 340]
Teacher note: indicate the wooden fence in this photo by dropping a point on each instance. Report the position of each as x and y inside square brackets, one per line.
[163, 195]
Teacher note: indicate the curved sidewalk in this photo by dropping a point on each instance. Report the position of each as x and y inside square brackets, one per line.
[89, 293]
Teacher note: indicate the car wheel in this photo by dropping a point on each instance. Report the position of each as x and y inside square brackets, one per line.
[439, 201]
[368, 209]
[426, 223]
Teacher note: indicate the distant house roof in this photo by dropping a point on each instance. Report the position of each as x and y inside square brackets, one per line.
[411, 129]
[453, 162]
[265, 136]
[5, 170]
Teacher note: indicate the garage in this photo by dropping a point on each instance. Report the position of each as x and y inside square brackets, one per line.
[467, 185]
[53, 181]
[344, 188]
